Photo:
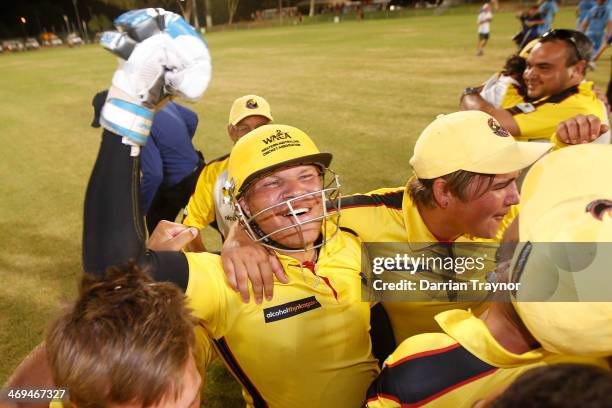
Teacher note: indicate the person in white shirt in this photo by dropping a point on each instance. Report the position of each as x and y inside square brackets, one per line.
[485, 15]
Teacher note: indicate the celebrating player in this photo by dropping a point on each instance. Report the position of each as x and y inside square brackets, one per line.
[556, 89]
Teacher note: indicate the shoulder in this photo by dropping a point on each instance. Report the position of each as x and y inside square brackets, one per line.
[204, 261]
[215, 167]
[386, 197]
[433, 356]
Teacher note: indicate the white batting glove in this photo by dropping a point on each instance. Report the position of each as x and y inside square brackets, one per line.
[160, 56]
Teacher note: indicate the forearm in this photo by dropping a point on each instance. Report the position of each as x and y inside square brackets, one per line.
[476, 102]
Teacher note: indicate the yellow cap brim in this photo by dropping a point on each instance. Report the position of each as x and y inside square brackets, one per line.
[515, 157]
[252, 113]
[321, 159]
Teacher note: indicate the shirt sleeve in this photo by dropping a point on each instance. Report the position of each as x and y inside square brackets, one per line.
[189, 117]
[209, 295]
[152, 167]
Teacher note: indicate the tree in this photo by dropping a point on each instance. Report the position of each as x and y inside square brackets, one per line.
[232, 5]
[311, 12]
[99, 22]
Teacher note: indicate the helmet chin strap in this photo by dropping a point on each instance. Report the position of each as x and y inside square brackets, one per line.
[259, 232]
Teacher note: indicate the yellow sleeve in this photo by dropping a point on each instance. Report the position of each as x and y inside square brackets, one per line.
[543, 121]
[362, 213]
[208, 294]
[200, 210]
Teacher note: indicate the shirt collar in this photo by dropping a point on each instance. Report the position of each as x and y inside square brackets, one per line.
[474, 335]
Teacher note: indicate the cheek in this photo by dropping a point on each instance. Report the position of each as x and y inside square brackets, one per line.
[487, 205]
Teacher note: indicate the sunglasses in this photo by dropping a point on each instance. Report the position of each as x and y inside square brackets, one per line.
[568, 36]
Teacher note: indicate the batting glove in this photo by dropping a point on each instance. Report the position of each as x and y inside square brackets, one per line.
[160, 55]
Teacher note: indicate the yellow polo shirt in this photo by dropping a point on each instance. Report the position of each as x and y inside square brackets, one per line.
[200, 210]
[512, 97]
[455, 368]
[538, 120]
[389, 215]
[308, 346]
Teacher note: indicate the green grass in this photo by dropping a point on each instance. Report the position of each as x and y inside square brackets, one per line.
[362, 89]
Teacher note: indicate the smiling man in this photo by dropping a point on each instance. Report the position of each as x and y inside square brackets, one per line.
[556, 89]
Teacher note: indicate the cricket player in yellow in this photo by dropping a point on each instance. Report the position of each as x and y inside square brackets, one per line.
[475, 356]
[207, 205]
[556, 90]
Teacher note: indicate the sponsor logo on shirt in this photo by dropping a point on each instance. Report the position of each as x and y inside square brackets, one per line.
[526, 107]
[290, 309]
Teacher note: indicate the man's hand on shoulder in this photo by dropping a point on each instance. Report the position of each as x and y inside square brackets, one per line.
[245, 260]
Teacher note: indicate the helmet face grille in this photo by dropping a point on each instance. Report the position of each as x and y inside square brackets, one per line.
[329, 196]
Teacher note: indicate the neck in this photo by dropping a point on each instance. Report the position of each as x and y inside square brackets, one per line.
[438, 223]
[507, 328]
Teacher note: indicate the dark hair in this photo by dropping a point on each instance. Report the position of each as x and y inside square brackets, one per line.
[421, 190]
[579, 45]
[126, 339]
[559, 386]
[515, 64]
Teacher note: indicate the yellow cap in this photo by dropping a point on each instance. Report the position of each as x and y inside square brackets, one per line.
[249, 105]
[270, 147]
[567, 197]
[471, 141]
[526, 50]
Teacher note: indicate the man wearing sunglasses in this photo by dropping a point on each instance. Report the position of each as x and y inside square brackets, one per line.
[556, 89]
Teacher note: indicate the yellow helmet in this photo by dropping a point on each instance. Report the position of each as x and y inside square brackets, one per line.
[270, 148]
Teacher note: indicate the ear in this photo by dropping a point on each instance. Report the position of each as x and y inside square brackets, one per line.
[579, 69]
[244, 204]
[442, 197]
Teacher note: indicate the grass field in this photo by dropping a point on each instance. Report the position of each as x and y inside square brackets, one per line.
[363, 90]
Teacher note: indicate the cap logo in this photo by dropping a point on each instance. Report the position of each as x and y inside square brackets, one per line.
[252, 104]
[497, 128]
[279, 135]
[599, 208]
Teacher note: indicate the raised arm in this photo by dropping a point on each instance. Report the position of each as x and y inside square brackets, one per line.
[169, 59]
